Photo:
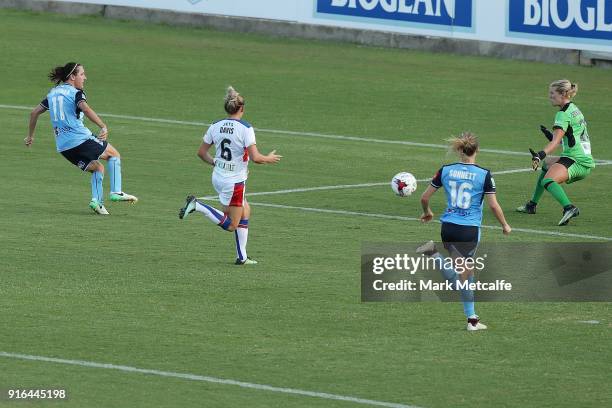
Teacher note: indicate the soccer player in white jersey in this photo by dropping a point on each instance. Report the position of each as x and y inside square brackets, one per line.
[234, 141]
[67, 105]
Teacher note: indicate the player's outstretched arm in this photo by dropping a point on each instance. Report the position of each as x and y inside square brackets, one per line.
[259, 158]
[425, 197]
[93, 116]
[555, 142]
[499, 213]
[547, 133]
[203, 153]
[536, 158]
[36, 112]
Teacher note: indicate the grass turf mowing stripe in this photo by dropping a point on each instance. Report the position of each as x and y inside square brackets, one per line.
[292, 133]
[348, 186]
[364, 185]
[195, 377]
[401, 218]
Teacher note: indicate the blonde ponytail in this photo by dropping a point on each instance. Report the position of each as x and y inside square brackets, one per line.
[465, 145]
[233, 101]
[565, 88]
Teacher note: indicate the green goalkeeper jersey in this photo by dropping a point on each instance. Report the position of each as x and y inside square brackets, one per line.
[576, 143]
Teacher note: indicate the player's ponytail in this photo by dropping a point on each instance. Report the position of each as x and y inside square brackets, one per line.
[565, 88]
[61, 74]
[465, 145]
[233, 101]
[573, 90]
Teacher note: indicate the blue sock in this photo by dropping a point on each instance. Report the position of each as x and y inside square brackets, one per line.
[114, 173]
[96, 186]
[225, 222]
[467, 297]
[448, 273]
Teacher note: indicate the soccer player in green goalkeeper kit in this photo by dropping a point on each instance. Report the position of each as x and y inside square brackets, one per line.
[575, 163]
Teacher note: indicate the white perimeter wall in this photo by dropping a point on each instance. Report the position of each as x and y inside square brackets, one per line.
[569, 24]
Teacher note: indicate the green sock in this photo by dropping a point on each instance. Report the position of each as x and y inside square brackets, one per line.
[539, 188]
[557, 191]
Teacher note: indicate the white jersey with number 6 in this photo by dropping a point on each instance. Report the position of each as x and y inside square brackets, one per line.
[231, 138]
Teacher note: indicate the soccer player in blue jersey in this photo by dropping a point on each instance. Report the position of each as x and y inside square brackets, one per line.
[466, 185]
[67, 104]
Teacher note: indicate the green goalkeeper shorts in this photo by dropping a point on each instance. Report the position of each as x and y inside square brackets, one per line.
[577, 172]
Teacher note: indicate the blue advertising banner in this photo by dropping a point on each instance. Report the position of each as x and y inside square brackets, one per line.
[442, 13]
[579, 19]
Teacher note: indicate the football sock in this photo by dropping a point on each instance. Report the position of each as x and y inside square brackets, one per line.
[96, 186]
[216, 216]
[467, 297]
[114, 173]
[557, 191]
[539, 188]
[448, 273]
[242, 236]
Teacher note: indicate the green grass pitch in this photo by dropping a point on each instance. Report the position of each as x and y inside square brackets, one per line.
[142, 289]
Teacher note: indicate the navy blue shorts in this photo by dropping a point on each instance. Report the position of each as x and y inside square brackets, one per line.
[85, 153]
[462, 238]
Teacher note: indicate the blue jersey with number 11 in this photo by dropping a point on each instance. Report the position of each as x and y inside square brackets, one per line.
[465, 185]
[62, 102]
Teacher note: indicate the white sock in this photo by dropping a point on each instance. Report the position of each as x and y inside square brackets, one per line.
[211, 213]
[242, 236]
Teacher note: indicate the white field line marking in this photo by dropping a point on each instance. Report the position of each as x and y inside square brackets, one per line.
[364, 185]
[290, 132]
[208, 379]
[347, 186]
[401, 218]
[306, 189]
[508, 152]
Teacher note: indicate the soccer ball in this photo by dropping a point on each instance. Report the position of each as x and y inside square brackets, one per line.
[403, 184]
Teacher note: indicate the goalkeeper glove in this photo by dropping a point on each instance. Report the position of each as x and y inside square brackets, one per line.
[536, 158]
[546, 132]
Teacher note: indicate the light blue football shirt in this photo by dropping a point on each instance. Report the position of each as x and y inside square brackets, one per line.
[66, 117]
[465, 186]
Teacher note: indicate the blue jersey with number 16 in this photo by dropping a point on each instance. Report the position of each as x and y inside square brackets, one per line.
[465, 185]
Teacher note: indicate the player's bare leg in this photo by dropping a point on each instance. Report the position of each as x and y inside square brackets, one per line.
[451, 275]
[240, 225]
[467, 295]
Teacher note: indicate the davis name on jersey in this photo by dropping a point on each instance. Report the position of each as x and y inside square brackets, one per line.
[465, 185]
[231, 138]
[62, 102]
